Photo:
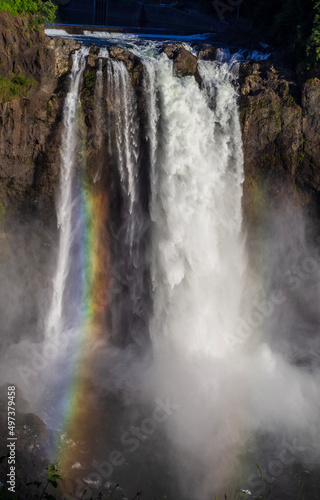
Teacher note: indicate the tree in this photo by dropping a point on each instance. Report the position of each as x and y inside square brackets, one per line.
[313, 44]
[44, 9]
[291, 25]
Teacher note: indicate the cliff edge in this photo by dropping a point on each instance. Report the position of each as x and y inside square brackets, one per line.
[33, 71]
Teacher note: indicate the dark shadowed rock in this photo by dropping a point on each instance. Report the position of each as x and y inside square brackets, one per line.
[276, 155]
[30, 444]
[309, 172]
[206, 52]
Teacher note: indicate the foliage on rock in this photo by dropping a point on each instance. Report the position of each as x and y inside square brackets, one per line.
[45, 11]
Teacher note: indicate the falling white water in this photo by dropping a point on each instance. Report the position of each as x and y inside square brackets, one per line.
[126, 126]
[198, 257]
[151, 90]
[99, 118]
[54, 323]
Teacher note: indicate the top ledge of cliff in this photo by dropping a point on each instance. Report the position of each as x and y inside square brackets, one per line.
[26, 50]
[184, 62]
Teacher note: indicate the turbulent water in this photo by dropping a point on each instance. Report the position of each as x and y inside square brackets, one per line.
[196, 212]
[167, 379]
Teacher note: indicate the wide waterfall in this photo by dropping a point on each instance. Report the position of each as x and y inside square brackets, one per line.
[161, 370]
[197, 244]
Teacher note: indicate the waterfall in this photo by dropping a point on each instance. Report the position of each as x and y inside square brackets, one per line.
[126, 131]
[130, 302]
[145, 388]
[194, 159]
[56, 321]
[198, 264]
[198, 255]
[177, 250]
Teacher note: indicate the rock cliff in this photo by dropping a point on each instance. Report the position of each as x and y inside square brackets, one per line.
[33, 71]
[280, 120]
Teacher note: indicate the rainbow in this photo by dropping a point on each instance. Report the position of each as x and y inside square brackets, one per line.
[78, 419]
[95, 300]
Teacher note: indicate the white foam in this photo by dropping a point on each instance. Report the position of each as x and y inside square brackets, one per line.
[56, 32]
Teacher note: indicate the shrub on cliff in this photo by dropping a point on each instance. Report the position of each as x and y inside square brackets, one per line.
[293, 25]
[313, 45]
[290, 25]
[45, 10]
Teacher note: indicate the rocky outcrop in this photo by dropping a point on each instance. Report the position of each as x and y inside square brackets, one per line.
[132, 62]
[280, 123]
[33, 71]
[184, 62]
[206, 51]
[309, 166]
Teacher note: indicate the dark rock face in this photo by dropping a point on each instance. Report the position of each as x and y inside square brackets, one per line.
[309, 172]
[30, 119]
[280, 123]
[206, 52]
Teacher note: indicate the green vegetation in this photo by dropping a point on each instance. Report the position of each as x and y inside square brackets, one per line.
[45, 10]
[16, 86]
[54, 479]
[289, 25]
[89, 78]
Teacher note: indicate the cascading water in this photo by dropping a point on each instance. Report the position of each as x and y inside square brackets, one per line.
[130, 302]
[67, 312]
[186, 233]
[198, 256]
[67, 200]
[161, 388]
[198, 262]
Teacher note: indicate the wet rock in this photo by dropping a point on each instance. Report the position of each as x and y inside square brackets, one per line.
[132, 62]
[21, 404]
[184, 62]
[63, 49]
[207, 52]
[309, 173]
[30, 444]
